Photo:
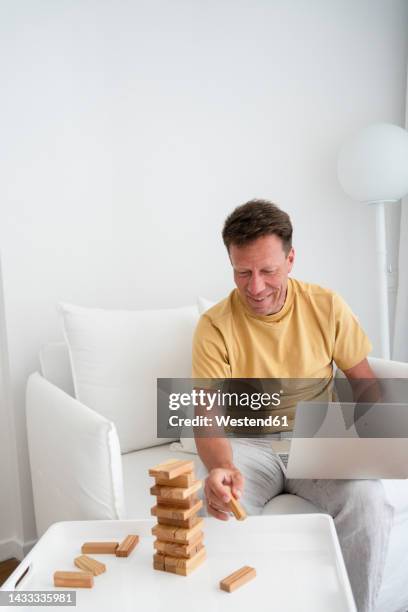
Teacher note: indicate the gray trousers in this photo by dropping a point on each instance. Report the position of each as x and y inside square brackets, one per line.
[362, 515]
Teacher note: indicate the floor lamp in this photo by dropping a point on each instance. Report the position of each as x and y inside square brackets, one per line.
[373, 168]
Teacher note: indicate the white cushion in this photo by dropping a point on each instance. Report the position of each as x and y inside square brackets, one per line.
[203, 304]
[55, 366]
[188, 445]
[287, 503]
[116, 357]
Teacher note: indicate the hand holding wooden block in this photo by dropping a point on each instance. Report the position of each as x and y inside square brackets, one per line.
[237, 509]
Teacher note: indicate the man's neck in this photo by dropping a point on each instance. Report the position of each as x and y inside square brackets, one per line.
[279, 307]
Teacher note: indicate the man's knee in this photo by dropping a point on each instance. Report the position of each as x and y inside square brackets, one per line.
[365, 498]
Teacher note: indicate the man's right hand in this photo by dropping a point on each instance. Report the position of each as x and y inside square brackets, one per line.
[220, 484]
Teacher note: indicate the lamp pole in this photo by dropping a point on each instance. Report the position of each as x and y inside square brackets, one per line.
[381, 242]
[372, 167]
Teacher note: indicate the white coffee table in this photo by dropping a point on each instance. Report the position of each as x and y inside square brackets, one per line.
[297, 558]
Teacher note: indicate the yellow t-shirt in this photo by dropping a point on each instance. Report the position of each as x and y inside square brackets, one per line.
[314, 328]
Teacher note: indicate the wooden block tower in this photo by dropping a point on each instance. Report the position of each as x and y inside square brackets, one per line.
[179, 537]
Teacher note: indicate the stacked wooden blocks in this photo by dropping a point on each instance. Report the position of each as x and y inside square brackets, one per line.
[179, 537]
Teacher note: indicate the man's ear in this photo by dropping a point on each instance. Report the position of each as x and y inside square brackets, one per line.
[291, 259]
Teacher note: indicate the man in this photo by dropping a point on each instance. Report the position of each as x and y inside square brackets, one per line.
[272, 326]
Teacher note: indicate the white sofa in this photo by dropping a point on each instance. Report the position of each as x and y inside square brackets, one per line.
[78, 471]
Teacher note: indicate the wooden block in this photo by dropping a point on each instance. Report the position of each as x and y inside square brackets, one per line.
[184, 567]
[99, 548]
[170, 533]
[237, 509]
[179, 550]
[187, 524]
[171, 469]
[238, 578]
[178, 503]
[81, 580]
[183, 481]
[88, 564]
[158, 562]
[182, 563]
[176, 492]
[176, 513]
[194, 539]
[125, 548]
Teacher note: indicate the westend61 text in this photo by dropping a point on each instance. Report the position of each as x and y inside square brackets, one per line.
[227, 421]
[209, 399]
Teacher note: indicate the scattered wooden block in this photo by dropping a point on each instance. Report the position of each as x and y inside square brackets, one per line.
[180, 535]
[100, 548]
[174, 493]
[176, 513]
[171, 469]
[125, 548]
[88, 564]
[238, 578]
[178, 503]
[187, 524]
[237, 509]
[179, 550]
[81, 580]
[184, 567]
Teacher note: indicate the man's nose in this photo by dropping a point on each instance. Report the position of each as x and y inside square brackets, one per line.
[256, 284]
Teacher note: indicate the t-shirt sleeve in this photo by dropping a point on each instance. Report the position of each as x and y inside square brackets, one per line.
[351, 344]
[210, 356]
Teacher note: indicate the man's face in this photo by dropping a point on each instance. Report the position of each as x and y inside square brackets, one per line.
[261, 271]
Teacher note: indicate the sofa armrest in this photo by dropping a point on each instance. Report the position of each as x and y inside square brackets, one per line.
[383, 368]
[75, 458]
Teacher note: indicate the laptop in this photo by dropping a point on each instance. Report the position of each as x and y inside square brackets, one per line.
[325, 445]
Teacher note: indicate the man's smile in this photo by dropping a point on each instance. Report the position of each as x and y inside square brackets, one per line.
[261, 299]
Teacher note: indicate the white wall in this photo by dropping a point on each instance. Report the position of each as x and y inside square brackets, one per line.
[130, 130]
[9, 502]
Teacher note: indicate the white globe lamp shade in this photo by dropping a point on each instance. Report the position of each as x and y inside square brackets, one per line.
[373, 166]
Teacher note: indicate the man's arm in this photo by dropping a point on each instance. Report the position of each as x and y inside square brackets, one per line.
[210, 360]
[223, 478]
[364, 383]
[215, 453]
[361, 370]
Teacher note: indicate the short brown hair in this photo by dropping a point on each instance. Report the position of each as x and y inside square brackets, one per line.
[254, 219]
